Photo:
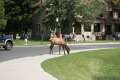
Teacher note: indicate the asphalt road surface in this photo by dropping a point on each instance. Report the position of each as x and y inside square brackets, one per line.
[21, 52]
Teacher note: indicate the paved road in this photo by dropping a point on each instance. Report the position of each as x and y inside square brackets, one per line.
[21, 52]
[23, 63]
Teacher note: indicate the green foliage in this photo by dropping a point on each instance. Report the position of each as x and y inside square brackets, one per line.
[2, 19]
[61, 9]
[18, 14]
[68, 11]
[90, 9]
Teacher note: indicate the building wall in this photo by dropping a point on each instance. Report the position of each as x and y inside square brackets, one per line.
[39, 30]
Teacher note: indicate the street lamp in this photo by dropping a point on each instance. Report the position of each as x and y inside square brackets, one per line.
[58, 24]
[57, 19]
[73, 28]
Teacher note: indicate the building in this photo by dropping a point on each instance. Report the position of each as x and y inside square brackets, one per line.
[106, 26]
[39, 30]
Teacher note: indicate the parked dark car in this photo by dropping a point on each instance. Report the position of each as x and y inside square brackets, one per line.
[6, 42]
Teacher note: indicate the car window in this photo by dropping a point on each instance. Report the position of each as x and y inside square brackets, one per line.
[1, 36]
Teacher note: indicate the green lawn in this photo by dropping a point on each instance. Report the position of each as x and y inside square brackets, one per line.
[91, 65]
[39, 42]
[30, 42]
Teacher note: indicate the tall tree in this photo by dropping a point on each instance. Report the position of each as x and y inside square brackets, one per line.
[67, 11]
[60, 13]
[90, 9]
[2, 17]
[18, 15]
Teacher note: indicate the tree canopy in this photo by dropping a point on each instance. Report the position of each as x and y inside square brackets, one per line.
[68, 11]
[90, 9]
[18, 14]
[2, 18]
[59, 13]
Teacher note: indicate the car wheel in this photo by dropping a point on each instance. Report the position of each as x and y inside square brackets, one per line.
[8, 46]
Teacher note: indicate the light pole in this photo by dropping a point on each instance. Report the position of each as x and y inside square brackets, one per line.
[73, 28]
[57, 19]
[58, 24]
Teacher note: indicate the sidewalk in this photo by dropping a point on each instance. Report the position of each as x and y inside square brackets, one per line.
[27, 68]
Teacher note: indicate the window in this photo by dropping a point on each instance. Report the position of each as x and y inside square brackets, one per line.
[97, 27]
[87, 27]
